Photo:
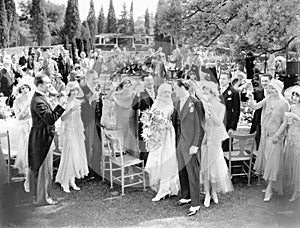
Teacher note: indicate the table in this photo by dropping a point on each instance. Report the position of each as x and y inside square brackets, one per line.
[11, 125]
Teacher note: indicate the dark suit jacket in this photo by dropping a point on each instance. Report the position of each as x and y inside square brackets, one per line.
[6, 83]
[188, 125]
[42, 131]
[143, 102]
[64, 68]
[212, 71]
[231, 99]
[258, 96]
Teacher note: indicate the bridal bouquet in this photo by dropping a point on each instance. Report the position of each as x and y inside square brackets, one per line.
[155, 125]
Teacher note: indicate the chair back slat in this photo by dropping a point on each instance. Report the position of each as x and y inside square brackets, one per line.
[245, 144]
[113, 143]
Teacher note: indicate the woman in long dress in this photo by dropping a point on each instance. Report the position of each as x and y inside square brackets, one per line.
[123, 98]
[73, 163]
[274, 106]
[162, 162]
[214, 171]
[292, 144]
[22, 113]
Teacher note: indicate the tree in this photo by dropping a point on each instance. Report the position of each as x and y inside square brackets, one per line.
[39, 25]
[161, 38]
[263, 26]
[170, 20]
[55, 16]
[72, 20]
[13, 22]
[85, 38]
[92, 22]
[131, 30]
[101, 21]
[123, 22]
[147, 22]
[111, 19]
[3, 25]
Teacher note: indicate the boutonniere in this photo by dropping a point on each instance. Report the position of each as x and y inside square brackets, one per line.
[190, 104]
[192, 109]
[229, 92]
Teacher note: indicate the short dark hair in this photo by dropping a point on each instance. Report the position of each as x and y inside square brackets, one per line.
[228, 73]
[266, 75]
[185, 84]
[39, 79]
[145, 76]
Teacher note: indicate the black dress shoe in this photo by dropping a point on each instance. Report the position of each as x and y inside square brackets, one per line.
[183, 202]
[191, 213]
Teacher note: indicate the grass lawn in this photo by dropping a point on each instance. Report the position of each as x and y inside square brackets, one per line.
[96, 206]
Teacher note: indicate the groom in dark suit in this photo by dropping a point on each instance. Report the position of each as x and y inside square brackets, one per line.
[142, 101]
[40, 140]
[188, 120]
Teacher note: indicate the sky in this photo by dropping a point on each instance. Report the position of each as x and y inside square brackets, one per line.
[139, 6]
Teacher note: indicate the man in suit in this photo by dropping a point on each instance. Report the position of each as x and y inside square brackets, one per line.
[6, 82]
[40, 140]
[231, 99]
[91, 112]
[142, 101]
[188, 120]
[65, 65]
[259, 94]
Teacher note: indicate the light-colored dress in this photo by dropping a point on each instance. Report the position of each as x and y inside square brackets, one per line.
[73, 162]
[213, 166]
[21, 162]
[162, 165]
[270, 155]
[292, 155]
[125, 119]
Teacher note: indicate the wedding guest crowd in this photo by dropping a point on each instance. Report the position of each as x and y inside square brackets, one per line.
[202, 109]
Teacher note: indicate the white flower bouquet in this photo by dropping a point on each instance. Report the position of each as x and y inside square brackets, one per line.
[155, 125]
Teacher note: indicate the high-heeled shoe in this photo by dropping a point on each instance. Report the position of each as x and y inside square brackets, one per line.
[73, 185]
[268, 196]
[214, 197]
[207, 200]
[26, 186]
[294, 197]
[66, 189]
[159, 197]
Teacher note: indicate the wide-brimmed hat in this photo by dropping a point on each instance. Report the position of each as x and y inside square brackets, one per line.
[277, 84]
[26, 81]
[295, 89]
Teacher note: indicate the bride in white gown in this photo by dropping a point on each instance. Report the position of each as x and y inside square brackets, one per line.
[162, 162]
[73, 163]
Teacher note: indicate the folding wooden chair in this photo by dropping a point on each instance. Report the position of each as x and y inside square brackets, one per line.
[119, 160]
[240, 155]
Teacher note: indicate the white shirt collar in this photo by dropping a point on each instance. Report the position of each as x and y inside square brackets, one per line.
[184, 98]
[223, 89]
[40, 92]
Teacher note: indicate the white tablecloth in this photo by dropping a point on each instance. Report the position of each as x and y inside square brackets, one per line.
[12, 126]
